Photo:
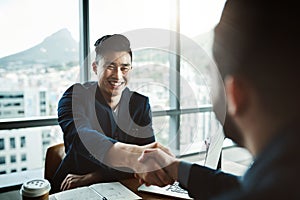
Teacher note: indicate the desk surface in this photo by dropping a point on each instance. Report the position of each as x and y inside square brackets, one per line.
[131, 184]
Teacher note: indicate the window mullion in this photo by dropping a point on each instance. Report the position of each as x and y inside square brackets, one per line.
[84, 40]
[174, 134]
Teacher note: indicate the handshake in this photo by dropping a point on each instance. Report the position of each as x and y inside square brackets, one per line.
[154, 164]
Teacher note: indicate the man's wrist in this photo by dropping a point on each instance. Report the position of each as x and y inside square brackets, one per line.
[172, 169]
[123, 155]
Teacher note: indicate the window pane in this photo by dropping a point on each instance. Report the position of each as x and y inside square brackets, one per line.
[23, 157]
[13, 159]
[30, 155]
[161, 129]
[12, 142]
[23, 141]
[194, 85]
[192, 129]
[150, 74]
[2, 160]
[40, 62]
[150, 77]
[2, 145]
[119, 16]
[207, 13]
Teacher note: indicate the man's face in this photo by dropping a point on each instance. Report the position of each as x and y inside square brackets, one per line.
[113, 72]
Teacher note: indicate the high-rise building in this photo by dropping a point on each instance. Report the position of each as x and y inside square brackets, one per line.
[15, 152]
[11, 104]
[27, 103]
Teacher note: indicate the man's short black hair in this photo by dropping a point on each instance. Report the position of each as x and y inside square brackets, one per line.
[259, 40]
[115, 42]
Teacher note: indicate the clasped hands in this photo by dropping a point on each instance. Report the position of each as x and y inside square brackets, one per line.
[156, 165]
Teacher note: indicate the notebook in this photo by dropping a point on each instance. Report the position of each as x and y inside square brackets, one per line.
[99, 191]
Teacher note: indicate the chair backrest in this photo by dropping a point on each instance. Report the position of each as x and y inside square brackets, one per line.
[54, 156]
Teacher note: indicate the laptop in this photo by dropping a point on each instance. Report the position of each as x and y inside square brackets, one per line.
[213, 151]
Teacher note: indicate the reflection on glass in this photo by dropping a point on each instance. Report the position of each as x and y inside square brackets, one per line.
[150, 77]
[194, 85]
[161, 129]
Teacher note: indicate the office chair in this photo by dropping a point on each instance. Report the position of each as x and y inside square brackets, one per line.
[54, 156]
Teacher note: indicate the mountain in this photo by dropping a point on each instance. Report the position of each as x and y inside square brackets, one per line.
[57, 49]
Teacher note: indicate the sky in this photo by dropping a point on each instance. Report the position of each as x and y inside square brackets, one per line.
[25, 23]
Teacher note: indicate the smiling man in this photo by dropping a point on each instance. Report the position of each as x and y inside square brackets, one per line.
[104, 123]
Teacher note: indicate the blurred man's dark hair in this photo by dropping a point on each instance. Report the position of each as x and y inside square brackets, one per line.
[108, 43]
[259, 40]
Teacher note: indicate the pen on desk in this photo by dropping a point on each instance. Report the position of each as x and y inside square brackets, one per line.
[102, 197]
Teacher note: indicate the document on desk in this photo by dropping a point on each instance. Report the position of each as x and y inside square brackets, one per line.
[101, 191]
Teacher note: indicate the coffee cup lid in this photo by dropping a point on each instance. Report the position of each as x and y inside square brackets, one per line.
[35, 188]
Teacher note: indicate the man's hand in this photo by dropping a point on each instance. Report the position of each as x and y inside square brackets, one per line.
[73, 180]
[151, 173]
[169, 165]
[157, 145]
[150, 170]
[127, 155]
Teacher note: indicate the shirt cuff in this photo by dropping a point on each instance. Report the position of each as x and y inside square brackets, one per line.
[184, 173]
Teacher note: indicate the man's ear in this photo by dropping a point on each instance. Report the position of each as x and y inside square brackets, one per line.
[237, 94]
[94, 64]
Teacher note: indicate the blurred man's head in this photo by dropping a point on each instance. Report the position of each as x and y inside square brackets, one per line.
[112, 63]
[257, 43]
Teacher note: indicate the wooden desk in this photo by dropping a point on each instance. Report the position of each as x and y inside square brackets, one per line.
[133, 184]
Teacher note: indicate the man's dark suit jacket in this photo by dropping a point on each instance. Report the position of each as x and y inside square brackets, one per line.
[90, 128]
[273, 175]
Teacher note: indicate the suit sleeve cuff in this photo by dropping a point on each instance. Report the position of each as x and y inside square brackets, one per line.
[184, 173]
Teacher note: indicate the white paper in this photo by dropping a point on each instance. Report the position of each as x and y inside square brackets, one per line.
[82, 193]
[114, 191]
[111, 191]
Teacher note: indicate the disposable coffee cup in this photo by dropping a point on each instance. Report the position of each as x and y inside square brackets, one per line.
[37, 189]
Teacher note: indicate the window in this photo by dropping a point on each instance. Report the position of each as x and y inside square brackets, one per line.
[50, 64]
[12, 143]
[13, 158]
[2, 160]
[40, 63]
[2, 145]
[23, 141]
[172, 82]
[36, 67]
[13, 170]
[23, 157]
